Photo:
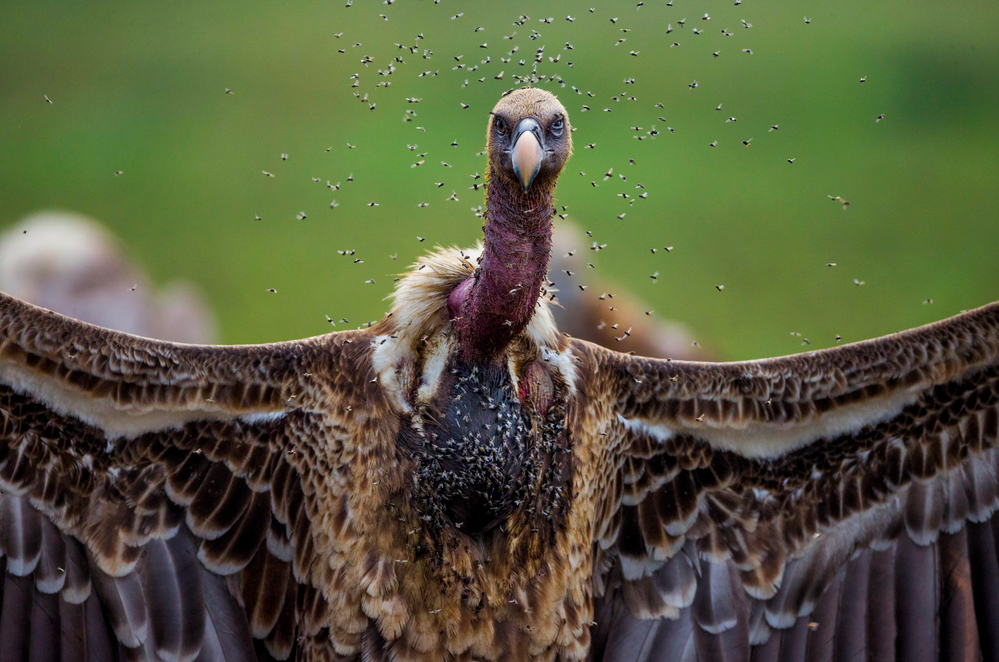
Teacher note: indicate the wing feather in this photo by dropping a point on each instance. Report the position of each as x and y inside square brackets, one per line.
[839, 491]
[126, 385]
[50, 573]
[22, 535]
[157, 500]
[15, 635]
[768, 407]
[227, 637]
[171, 579]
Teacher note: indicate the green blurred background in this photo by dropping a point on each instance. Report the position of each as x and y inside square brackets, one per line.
[140, 88]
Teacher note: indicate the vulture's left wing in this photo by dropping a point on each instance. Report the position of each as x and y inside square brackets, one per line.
[829, 505]
[159, 501]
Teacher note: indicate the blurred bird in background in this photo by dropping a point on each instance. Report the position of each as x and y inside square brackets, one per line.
[70, 264]
[605, 321]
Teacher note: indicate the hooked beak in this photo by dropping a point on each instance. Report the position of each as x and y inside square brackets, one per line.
[528, 151]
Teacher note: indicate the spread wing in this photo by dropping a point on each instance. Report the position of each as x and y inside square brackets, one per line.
[159, 501]
[830, 505]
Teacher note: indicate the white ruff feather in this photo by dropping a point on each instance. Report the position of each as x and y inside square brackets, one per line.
[420, 324]
[419, 303]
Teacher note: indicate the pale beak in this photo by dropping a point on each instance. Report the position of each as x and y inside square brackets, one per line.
[528, 152]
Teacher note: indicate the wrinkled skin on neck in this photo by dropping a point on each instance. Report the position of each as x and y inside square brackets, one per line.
[494, 305]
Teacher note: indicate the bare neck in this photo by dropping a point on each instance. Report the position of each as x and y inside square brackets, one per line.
[495, 305]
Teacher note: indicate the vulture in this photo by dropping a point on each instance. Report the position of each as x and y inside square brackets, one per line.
[461, 481]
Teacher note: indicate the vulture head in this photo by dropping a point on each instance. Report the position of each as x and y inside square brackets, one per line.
[529, 139]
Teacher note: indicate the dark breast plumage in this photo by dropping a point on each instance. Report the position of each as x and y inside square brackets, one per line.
[481, 456]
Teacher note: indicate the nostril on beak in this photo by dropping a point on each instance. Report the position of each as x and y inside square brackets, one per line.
[528, 152]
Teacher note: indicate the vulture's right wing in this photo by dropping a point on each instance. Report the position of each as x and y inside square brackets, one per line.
[834, 505]
[161, 501]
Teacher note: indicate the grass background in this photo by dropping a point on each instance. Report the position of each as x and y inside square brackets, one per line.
[139, 87]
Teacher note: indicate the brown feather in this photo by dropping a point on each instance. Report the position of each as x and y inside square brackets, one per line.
[232, 551]
[22, 534]
[218, 504]
[281, 640]
[264, 585]
[124, 604]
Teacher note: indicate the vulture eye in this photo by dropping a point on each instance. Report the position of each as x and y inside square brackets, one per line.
[557, 126]
[500, 124]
